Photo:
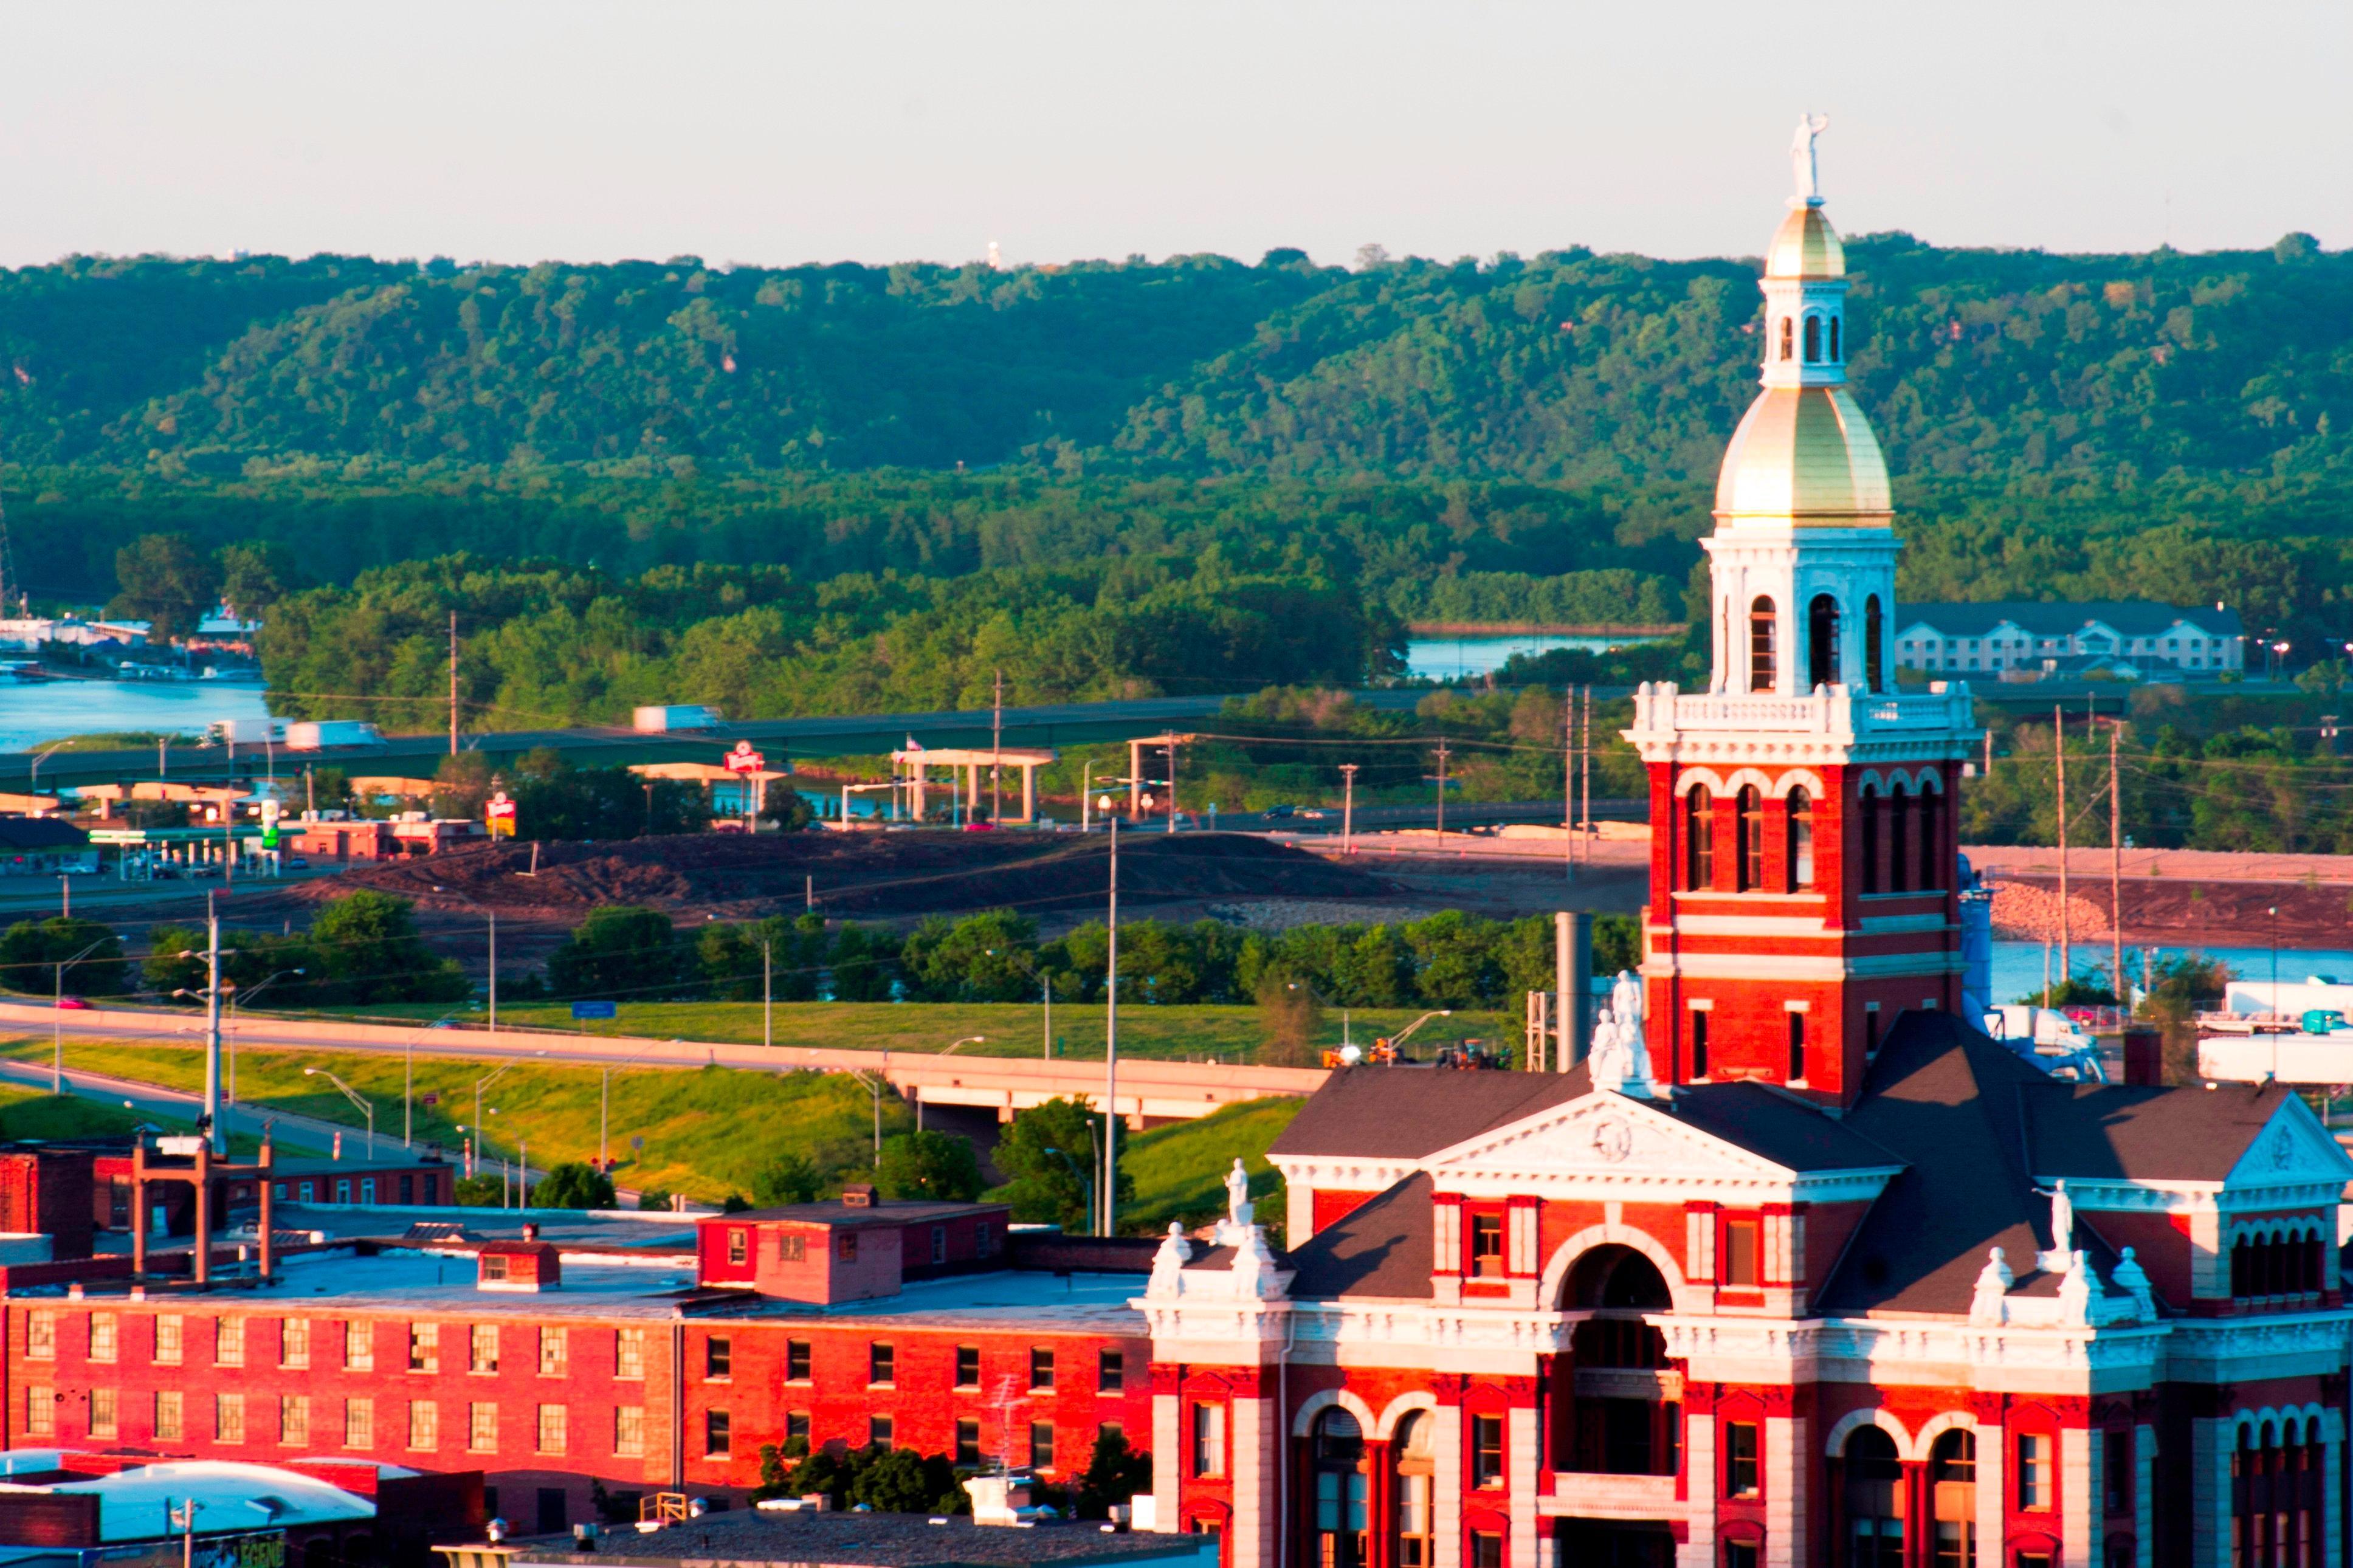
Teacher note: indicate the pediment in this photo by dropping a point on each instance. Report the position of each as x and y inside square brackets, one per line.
[1606, 1134]
[2292, 1148]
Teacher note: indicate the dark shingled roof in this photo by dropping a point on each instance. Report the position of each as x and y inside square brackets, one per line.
[1404, 1113]
[2095, 1131]
[30, 832]
[1382, 1247]
[2131, 617]
[1780, 1127]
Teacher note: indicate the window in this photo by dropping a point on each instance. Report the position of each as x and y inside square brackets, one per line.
[1797, 1047]
[425, 1347]
[424, 1423]
[40, 1336]
[845, 1247]
[797, 1361]
[1764, 634]
[1787, 341]
[1953, 1500]
[879, 1431]
[494, 1269]
[40, 1410]
[939, 1244]
[294, 1342]
[739, 1245]
[967, 1441]
[482, 1348]
[170, 1422]
[1834, 340]
[1741, 1554]
[554, 1429]
[1874, 664]
[1486, 1450]
[1813, 340]
[1486, 1549]
[1416, 1466]
[2117, 1471]
[168, 1339]
[881, 1362]
[1874, 1513]
[359, 1423]
[1041, 1367]
[980, 1240]
[1699, 839]
[1208, 1439]
[1801, 840]
[102, 1420]
[103, 1336]
[228, 1418]
[629, 1352]
[482, 1427]
[1740, 1254]
[968, 1366]
[1740, 1459]
[1899, 839]
[1699, 1042]
[1111, 1371]
[1041, 1445]
[1487, 1245]
[359, 1347]
[718, 1356]
[554, 1351]
[1821, 642]
[1751, 828]
[628, 1431]
[792, 1248]
[1867, 807]
[797, 1427]
[294, 1420]
[2033, 1470]
[229, 1342]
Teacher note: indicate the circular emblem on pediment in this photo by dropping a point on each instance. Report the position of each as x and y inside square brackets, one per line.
[1612, 1139]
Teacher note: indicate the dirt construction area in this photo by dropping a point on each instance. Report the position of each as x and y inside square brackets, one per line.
[867, 876]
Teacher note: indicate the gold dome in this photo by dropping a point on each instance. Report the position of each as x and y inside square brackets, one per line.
[1805, 246]
[1805, 454]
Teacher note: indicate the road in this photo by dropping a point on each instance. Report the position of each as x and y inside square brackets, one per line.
[1153, 1090]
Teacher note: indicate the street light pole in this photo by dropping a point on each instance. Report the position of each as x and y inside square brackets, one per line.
[1349, 808]
[768, 992]
[1110, 1053]
[58, 1020]
[366, 1107]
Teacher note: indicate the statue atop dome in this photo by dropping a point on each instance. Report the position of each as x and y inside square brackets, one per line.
[1803, 163]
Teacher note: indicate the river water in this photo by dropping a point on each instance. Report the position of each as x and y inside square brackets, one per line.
[33, 713]
[1468, 658]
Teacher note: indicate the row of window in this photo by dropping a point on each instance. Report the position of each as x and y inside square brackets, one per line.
[2277, 1266]
[882, 1366]
[1812, 332]
[1822, 627]
[551, 1346]
[1031, 1444]
[1749, 829]
[235, 1418]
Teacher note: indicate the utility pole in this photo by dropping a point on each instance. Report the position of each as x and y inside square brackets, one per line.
[1987, 771]
[1568, 778]
[768, 992]
[2059, 761]
[494, 970]
[213, 1028]
[996, 747]
[1110, 1053]
[1442, 754]
[1172, 784]
[453, 683]
[1349, 808]
[2116, 867]
[1584, 849]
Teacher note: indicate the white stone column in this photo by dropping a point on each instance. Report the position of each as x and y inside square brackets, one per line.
[1298, 1213]
[1525, 1454]
[2080, 1498]
[2209, 1492]
[1786, 1460]
[2145, 1496]
[1168, 1459]
[1256, 1500]
[1446, 1487]
[1992, 1477]
[1698, 1551]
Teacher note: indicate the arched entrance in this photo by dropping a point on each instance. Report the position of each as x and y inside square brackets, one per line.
[1615, 1278]
[1875, 1499]
[1416, 1448]
[1616, 1400]
[1336, 1452]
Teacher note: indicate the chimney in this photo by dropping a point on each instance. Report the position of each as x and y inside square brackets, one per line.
[858, 1195]
[2144, 1055]
[531, 1230]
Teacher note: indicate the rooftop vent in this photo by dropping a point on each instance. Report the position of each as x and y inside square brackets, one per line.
[858, 1195]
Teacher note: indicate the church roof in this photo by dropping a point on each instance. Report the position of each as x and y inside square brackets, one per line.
[1805, 246]
[1805, 454]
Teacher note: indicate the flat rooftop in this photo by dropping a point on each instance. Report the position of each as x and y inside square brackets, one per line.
[880, 1539]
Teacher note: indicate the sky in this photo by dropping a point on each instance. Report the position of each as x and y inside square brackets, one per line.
[881, 131]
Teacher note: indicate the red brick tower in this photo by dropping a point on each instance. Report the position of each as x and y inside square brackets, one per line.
[1803, 848]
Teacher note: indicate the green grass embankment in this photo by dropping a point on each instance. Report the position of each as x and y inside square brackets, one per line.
[1180, 1169]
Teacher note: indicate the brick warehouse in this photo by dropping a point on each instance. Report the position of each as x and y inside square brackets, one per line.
[625, 1373]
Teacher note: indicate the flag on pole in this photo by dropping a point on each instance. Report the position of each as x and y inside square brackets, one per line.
[914, 744]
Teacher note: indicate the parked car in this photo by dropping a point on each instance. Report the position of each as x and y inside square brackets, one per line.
[298, 863]
[1276, 813]
[1313, 814]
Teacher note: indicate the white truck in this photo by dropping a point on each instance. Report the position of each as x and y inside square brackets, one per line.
[662, 719]
[324, 734]
[247, 731]
[2056, 1042]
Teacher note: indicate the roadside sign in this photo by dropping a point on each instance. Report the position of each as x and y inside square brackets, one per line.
[744, 759]
[499, 813]
[595, 1009]
[638, 1145]
[430, 1097]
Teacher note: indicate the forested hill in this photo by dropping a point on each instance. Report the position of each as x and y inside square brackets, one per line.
[1571, 367]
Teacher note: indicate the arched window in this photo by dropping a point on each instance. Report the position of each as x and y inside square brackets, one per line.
[1873, 646]
[1764, 631]
[1874, 1507]
[1786, 340]
[1834, 340]
[1416, 1448]
[1752, 839]
[1339, 1458]
[1699, 839]
[1801, 840]
[1821, 642]
[1953, 1500]
[1813, 340]
[1867, 808]
[1899, 839]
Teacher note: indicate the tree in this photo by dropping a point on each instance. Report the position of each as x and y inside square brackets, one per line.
[478, 1192]
[619, 951]
[865, 964]
[166, 580]
[367, 950]
[788, 1179]
[653, 1200]
[253, 575]
[935, 1166]
[1290, 1018]
[461, 786]
[1050, 1152]
[573, 1186]
[1115, 1474]
[986, 957]
[30, 953]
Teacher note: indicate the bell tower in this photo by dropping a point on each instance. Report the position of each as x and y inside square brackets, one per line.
[1803, 848]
